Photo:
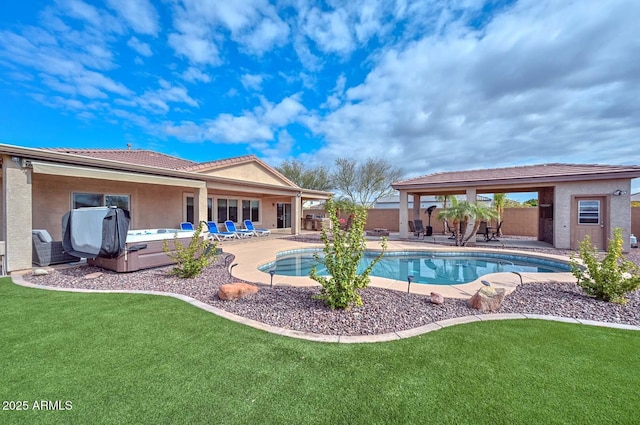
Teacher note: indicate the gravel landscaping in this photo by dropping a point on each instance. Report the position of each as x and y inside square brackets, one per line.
[383, 310]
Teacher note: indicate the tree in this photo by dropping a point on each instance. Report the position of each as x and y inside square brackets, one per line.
[317, 178]
[343, 251]
[499, 201]
[460, 213]
[443, 199]
[530, 203]
[365, 183]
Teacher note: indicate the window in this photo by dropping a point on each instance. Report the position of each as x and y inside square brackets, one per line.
[81, 200]
[189, 213]
[251, 210]
[589, 212]
[222, 210]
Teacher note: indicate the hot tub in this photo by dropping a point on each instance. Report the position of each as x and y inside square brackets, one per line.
[144, 250]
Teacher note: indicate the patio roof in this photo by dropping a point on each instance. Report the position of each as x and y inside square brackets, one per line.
[521, 177]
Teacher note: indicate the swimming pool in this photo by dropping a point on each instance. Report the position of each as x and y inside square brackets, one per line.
[428, 267]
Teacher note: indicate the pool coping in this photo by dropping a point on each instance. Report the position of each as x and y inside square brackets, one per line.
[248, 257]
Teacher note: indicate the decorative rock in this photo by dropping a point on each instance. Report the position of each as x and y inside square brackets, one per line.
[93, 275]
[487, 298]
[235, 291]
[40, 272]
[437, 298]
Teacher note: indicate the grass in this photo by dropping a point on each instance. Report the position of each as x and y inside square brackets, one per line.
[123, 358]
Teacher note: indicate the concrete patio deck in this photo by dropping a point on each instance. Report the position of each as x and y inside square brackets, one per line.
[249, 255]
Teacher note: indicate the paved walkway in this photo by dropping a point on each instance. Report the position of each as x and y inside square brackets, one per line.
[252, 254]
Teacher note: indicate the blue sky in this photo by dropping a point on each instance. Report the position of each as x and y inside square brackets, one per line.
[431, 85]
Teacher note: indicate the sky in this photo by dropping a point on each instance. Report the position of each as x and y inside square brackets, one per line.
[429, 85]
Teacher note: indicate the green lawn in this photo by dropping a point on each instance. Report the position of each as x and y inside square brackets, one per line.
[123, 358]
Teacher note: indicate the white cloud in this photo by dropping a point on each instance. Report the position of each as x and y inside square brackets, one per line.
[193, 75]
[252, 82]
[143, 49]
[158, 100]
[139, 14]
[330, 30]
[532, 86]
[198, 50]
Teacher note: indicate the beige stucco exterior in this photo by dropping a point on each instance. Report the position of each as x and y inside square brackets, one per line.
[557, 218]
[618, 208]
[253, 172]
[38, 188]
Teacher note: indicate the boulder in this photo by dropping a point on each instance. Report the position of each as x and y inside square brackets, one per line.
[235, 291]
[437, 298]
[487, 298]
[40, 272]
[93, 275]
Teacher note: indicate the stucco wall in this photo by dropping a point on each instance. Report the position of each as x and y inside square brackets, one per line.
[617, 208]
[152, 206]
[247, 172]
[517, 221]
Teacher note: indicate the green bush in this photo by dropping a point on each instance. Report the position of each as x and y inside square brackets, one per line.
[343, 250]
[192, 259]
[609, 279]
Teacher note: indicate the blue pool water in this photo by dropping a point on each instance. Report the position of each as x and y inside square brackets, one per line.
[436, 268]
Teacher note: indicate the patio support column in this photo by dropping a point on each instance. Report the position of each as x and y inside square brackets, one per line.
[296, 213]
[200, 205]
[416, 205]
[404, 214]
[472, 198]
[17, 214]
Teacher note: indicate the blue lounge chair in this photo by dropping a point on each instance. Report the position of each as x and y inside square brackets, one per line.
[231, 227]
[258, 232]
[185, 225]
[217, 234]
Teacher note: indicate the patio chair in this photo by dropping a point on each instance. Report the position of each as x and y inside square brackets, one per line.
[185, 225]
[215, 233]
[494, 234]
[256, 231]
[483, 231]
[417, 228]
[231, 227]
[449, 230]
[45, 251]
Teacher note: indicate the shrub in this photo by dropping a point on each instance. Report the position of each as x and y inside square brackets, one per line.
[343, 250]
[609, 279]
[192, 259]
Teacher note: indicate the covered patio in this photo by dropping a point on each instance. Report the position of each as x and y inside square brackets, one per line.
[573, 200]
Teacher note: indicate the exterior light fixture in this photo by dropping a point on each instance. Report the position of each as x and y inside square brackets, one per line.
[619, 192]
[272, 272]
[519, 275]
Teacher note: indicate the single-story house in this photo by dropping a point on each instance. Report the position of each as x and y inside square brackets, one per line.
[40, 185]
[574, 200]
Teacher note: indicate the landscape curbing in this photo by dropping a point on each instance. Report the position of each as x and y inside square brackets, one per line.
[344, 339]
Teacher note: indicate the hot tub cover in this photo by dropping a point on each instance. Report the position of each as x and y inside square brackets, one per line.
[95, 232]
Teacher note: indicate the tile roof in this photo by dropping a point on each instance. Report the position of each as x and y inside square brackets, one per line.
[527, 172]
[219, 163]
[130, 156]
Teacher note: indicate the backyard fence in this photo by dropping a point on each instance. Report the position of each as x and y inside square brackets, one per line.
[517, 221]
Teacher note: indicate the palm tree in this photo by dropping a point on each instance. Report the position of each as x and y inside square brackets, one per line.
[443, 199]
[499, 202]
[459, 213]
[479, 213]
